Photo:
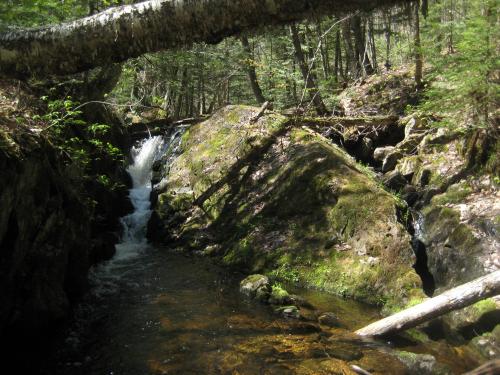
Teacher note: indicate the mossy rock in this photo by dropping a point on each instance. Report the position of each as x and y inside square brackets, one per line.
[274, 194]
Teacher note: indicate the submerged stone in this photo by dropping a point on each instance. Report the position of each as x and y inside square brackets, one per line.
[329, 319]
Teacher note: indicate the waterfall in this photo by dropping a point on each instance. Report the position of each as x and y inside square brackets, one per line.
[135, 223]
[419, 248]
[108, 276]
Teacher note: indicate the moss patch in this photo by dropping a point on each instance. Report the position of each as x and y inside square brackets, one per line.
[287, 202]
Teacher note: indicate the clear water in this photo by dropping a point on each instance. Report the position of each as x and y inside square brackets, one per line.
[155, 311]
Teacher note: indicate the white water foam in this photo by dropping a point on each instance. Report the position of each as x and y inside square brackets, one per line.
[135, 223]
[106, 276]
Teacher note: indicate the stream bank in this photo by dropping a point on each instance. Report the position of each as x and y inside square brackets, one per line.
[56, 218]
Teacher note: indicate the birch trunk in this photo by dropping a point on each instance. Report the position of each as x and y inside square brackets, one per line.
[120, 33]
[456, 298]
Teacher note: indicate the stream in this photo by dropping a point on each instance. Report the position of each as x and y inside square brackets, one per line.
[153, 310]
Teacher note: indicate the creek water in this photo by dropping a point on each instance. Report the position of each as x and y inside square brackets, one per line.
[156, 311]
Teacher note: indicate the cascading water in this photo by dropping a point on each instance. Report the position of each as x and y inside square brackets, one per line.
[135, 223]
[107, 277]
[418, 244]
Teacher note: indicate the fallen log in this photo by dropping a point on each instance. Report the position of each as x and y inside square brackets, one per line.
[349, 128]
[346, 122]
[453, 299]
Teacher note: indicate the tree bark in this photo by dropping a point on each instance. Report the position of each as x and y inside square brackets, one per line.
[120, 33]
[418, 48]
[252, 75]
[309, 76]
[456, 298]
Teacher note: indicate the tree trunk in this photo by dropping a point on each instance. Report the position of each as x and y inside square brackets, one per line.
[323, 44]
[120, 33]
[373, 47]
[418, 48]
[456, 298]
[338, 58]
[182, 93]
[309, 77]
[252, 75]
[387, 32]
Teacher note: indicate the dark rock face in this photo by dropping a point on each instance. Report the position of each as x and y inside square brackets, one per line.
[54, 224]
[44, 239]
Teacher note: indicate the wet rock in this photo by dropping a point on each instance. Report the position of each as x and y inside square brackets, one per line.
[418, 364]
[410, 194]
[252, 283]
[288, 311]
[394, 180]
[488, 344]
[329, 319]
[345, 354]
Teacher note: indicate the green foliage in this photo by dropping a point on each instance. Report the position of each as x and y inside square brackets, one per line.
[80, 142]
[464, 59]
[42, 12]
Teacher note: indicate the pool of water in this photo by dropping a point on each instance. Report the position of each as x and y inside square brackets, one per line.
[166, 313]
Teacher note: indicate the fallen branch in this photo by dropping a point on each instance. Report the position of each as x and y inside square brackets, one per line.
[259, 114]
[453, 299]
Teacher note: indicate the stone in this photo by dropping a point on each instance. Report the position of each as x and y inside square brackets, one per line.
[329, 319]
[417, 364]
[391, 160]
[408, 166]
[302, 195]
[381, 153]
[366, 148]
[410, 194]
[288, 311]
[252, 283]
[394, 180]
[279, 296]
[415, 125]
[409, 145]
[263, 294]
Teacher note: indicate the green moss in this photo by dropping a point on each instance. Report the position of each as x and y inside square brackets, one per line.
[278, 292]
[455, 194]
[417, 335]
[462, 237]
[484, 306]
[296, 207]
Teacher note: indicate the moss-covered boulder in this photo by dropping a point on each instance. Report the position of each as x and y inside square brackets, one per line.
[461, 228]
[282, 200]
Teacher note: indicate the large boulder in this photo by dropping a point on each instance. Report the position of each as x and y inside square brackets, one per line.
[461, 232]
[274, 196]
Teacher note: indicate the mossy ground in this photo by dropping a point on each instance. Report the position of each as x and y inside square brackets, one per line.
[283, 200]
